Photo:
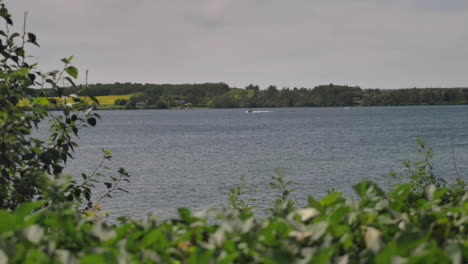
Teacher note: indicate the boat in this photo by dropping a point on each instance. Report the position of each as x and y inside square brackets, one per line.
[250, 111]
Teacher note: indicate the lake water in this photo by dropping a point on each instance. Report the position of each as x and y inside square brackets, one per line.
[189, 158]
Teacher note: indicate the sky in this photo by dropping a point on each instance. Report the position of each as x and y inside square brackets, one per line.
[296, 43]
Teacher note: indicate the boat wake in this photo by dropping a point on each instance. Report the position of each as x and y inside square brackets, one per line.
[256, 112]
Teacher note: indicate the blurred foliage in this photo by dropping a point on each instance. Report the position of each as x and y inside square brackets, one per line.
[377, 227]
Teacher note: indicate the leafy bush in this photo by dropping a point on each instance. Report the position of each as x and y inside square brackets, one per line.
[31, 168]
[379, 227]
[28, 165]
[282, 202]
[419, 174]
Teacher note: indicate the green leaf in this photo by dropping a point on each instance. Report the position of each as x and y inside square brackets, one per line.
[32, 39]
[70, 81]
[14, 35]
[313, 203]
[95, 258]
[21, 72]
[186, 215]
[153, 237]
[200, 256]
[323, 257]
[123, 190]
[339, 215]
[92, 121]
[26, 208]
[94, 99]
[331, 198]
[72, 71]
[389, 252]
[7, 221]
[366, 188]
[4, 13]
[67, 60]
[41, 101]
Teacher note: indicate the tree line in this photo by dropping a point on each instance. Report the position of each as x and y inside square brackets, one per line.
[414, 96]
[221, 95]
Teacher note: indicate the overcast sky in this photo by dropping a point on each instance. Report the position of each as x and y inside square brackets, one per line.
[303, 43]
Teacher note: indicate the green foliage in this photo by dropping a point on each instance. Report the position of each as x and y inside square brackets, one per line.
[29, 164]
[161, 105]
[425, 96]
[132, 102]
[220, 95]
[224, 101]
[31, 168]
[282, 202]
[420, 174]
[121, 102]
[81, 192]
[377, 228]
[241, 196]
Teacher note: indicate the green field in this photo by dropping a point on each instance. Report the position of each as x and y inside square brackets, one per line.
[103, 100]
[109, 99]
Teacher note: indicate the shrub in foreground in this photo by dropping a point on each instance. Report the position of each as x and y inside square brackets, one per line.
[379, 227]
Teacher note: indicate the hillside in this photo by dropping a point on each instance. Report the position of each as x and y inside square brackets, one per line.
[221, 95]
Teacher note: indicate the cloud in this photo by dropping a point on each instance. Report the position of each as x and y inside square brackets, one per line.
[440, 6]
[388, 44]
[212, 12]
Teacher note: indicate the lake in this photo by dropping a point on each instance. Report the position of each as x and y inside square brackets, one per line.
[189, 158]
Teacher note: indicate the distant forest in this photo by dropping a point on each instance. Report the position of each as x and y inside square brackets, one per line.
[220, 95]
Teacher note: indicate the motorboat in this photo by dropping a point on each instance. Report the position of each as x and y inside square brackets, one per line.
[250, 111]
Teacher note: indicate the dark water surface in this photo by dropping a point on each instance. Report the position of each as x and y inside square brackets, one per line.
[189, 158]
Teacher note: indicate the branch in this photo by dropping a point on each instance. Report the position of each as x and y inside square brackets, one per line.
[453, 158]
